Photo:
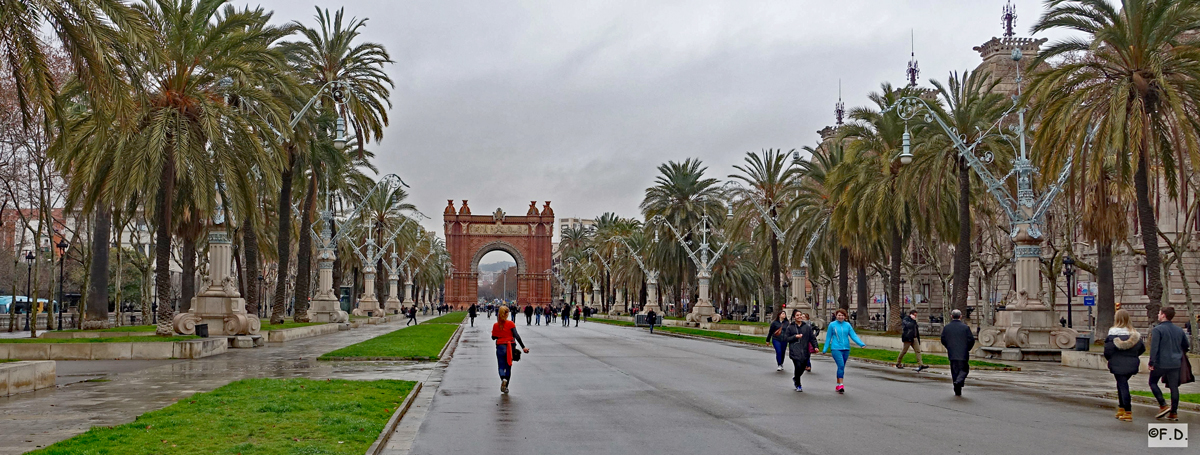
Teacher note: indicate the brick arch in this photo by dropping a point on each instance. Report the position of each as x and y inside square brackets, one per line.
[526, 238]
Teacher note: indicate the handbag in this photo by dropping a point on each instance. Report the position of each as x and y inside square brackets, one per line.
[1185, 371]
[516, 353]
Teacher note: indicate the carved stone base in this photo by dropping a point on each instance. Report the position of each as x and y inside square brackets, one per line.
[225, 316]
[326, 310]
[368, 307]
[95, 325]
[1033, 330]
[702, 313]
[391, 305]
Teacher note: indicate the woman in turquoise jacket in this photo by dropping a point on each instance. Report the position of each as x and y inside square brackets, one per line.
[838, 336]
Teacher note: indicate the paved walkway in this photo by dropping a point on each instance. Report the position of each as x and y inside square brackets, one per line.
[33, 420]
[600, 389]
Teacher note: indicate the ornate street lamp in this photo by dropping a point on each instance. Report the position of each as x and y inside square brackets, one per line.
[32, 328]
[1069, 272]
[62, 258]
[705, 258]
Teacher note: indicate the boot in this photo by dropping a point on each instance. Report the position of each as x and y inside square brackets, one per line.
[1126, 416]
[1120, 413]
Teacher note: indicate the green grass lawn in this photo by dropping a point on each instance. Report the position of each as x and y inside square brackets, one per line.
[448, 318]
[8, 360]
[611, 322]
[255, 416]
[287, 325]
[1188, 397]
[419, 342]
[138, 339]
[125, 328]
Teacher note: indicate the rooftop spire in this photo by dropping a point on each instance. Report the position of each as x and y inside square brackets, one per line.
[913, 70]
[1009, 19]
[839, 109]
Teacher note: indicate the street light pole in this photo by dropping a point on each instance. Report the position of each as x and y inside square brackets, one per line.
[1069, 272]
[32, 328]
[62, 259]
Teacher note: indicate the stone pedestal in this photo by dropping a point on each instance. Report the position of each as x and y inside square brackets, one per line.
[703, 310]
[651, 298]
[325, 306]
[367, 304]
[1027, 324]
[612, 309]
[392, 304]
[219, 305]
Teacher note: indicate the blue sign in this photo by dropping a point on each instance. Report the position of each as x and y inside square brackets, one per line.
[1089, 300]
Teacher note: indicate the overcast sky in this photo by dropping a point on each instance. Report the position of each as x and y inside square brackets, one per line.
[577, 102]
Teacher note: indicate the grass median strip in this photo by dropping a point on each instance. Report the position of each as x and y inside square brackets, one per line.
[883, 355]
[419, 342]
[1188, 397]
[259, 416]
[138, 339]
[448, 318]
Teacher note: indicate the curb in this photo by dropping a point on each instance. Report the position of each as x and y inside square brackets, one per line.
[390, 427]
[453, 341]
[1183, 405]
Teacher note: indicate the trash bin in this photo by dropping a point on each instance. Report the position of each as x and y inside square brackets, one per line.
[1083, 342]
[202, 330]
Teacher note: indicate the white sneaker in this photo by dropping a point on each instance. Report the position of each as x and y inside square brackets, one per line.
[780, 368]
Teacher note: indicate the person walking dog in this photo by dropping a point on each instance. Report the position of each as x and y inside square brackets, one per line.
[958, 340]
[801, 343]
[1122, 348]
[838, 336]
[775, 336]
[1168, 346]
[505, 333]
[911, 336]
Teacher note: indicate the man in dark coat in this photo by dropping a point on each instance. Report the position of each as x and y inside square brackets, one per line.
[800, 337]
[473, 311]
[911, 336]
[528, 314]
[1168, 345]
[566, 315]
[651, 318]
[958, 340]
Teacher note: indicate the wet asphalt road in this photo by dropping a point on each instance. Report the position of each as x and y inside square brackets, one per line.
[600, 389]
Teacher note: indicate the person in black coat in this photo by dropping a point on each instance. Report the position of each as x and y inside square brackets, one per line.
[651, 318]
[578, 312]
[911, 337]
[958, 340]
[1122, 348]
[800, 337]
[473, 311]
[528, 315]
[566, 316]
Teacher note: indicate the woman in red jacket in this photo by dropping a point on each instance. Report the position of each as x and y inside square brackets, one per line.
[504, 332]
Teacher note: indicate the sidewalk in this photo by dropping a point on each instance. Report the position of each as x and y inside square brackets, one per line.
[132, 387]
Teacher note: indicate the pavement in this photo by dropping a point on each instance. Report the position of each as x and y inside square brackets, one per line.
[120, 390]
[602, 389]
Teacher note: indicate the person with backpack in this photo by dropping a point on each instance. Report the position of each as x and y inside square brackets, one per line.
[910, 335]
[775, 336]
[838, 336]
[1123, 348]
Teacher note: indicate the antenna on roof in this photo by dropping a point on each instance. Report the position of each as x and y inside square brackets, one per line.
[914, 70]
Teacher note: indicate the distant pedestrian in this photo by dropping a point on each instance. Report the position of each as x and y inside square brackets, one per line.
[504, 332]
[412, 316]
[651, 318]
[1123, 348]
[1168, 345]
[801, 343]
[566, 316]
[512, 310]
[528, 315]
[472, 312]
[578, 312]
[838, 336]
[775, 336]
[537, 316]
[958, 340]
[910, 335]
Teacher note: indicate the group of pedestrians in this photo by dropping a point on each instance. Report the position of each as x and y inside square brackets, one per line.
[1168, 362]
[796, 337]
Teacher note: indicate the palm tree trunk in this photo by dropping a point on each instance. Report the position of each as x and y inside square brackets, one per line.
[962, 252]
[250, 249]
[861, 294]
[1105, 304]
[1148, 226]
[304, 256]
[162, 246]
[97, 299]
[187, 283]
[284, 238]
[843, 279]
[894, 298]
[777, 297]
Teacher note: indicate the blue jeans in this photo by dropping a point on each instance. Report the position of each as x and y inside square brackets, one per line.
[840, 356]
[780, 348]
[502, 360]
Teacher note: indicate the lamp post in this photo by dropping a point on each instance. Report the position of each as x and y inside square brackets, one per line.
[705, 258]
[62, 259]
[32, 328]
[260, 296]
[1069, 272]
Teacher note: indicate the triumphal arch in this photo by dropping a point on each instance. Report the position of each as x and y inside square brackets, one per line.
[526, 238]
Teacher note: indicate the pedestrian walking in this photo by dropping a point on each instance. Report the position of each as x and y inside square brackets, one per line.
[411, 313]
[528, 315]
[651, 317]
[578, 312]
[1123, 348]
[505, 333]
[910, 335]
[537, 316]
[512, 310]
[801, 343]
[816, 333]
[1168, 345]
[838, 336]
[472, 311]
[566, 316]
[775, 336]
[958, 340]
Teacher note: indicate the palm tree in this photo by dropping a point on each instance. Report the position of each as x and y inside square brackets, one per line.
[681, 195]
[1138, 87]
[205, 55]
[812, 209]
[330, 52]
[773, 183]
